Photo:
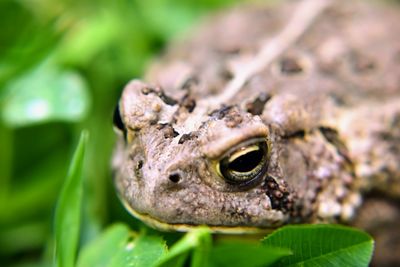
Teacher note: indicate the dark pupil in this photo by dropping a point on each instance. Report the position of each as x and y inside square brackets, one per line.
[117, 119]
[247, 162]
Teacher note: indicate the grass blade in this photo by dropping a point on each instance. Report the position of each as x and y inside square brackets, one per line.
[68, 212]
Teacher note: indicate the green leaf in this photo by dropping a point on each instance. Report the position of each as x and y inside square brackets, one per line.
[101, 250]
[322, 245]
[114, 248]
[194, 239]
[143, 251]
[45, 94]
[238, 254]
[200, 255]
[68, 212]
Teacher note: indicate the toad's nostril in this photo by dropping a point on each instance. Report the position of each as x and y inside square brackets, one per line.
[175, 177]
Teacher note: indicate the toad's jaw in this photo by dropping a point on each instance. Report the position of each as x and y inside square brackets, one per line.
[181, 227]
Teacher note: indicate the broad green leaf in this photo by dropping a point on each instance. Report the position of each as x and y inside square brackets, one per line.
[238, 254]
[180, 249]
[143, 251]
[101, 250]
[45, 94]
[117, 247]
[68, 212]
[322, 245]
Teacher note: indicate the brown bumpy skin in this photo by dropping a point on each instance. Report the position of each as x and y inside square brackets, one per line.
[328, 110]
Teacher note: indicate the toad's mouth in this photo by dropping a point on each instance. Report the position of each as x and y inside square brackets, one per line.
[182, 227]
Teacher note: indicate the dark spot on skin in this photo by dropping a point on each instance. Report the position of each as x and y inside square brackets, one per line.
[298, 134]
[186, 105]
[290, 66]
[282, 189]
[272, 185]
[226, 74]
[338, 99]
[160, 93]
[332, 136]
[275, 204]
[190, 82]
[166, 99]
[230, 114]
[139, 164]
[186, 137]
[178, 212]
[386, 136]
[391, 136]
[147, 90]
[175, 178]
[138, 167]
[188, 102]
[257, 106]
[360, 63]
[279, 195]
[169, 131]
[175, 133]
[221, 113]
[395, 123]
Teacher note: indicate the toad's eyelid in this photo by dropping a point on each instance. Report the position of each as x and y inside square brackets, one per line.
[226, 143]
[243, 151]
[251, 144]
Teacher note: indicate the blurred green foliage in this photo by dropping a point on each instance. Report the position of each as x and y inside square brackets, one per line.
[62, 66]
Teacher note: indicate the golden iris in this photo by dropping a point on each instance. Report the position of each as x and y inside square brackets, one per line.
[245, 164]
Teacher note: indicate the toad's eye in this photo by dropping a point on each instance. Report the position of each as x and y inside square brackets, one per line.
[117, 120]
[245, 165]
